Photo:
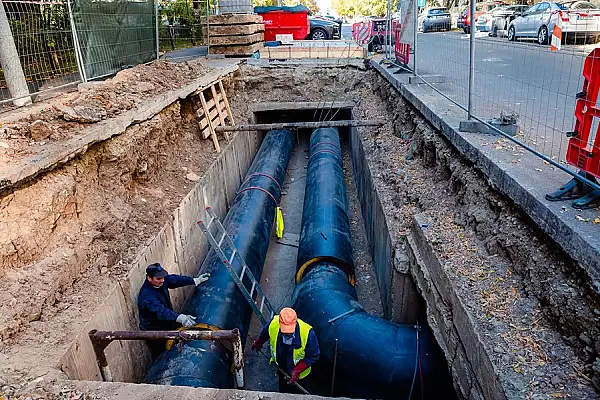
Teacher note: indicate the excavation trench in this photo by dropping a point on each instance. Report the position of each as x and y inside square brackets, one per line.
[432, 242]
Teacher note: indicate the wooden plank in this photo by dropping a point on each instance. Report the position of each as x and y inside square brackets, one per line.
[224, 94]
[210, 105]
[212, 131]
[233, 30]
[232, 19]
[219, 110]
[314, 52]
[237, 50]
[212, 115]
[237, 40]
[206, 132]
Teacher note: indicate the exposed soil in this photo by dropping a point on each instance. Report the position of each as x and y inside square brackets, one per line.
[68, 236]
[66, 116]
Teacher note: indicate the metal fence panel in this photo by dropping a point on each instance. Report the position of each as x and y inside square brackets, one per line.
[523, 79]
[44, 45]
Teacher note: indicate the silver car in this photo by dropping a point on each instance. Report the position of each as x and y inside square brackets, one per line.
[539, 21]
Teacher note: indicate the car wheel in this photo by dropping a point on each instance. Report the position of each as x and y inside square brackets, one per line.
[466, 30]
[543, 35]
[318, 34]
[511, 34]
[424, 29]
[495, 31]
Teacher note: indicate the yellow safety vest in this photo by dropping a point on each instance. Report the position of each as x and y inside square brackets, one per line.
[298, 354]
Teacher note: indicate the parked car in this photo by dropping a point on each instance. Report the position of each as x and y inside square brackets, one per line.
[502, 19]
[480, 8]
[323, 29]
[334, 19]
[484, 21]
[434, 19]
[538, 22]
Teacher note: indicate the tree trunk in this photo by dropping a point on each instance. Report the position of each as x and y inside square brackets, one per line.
[11, 65]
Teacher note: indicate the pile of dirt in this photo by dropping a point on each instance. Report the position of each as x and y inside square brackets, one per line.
[66, 116]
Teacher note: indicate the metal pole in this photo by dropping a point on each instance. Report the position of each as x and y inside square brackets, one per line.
[416, 22]
[335, 353]
[78, 54]
[471, 58]
[157, 39]
[297, 125]
[207, 27]
[101, 339]
[11, 64]
[388, 40]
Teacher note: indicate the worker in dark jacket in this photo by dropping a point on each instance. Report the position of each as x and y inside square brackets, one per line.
[294, 347]
[154, 303]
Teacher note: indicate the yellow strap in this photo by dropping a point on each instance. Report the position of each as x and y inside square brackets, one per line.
[279, 223]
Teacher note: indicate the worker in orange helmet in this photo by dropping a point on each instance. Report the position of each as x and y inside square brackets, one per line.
[294, 347]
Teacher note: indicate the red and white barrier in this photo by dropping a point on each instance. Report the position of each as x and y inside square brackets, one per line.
[556, 36]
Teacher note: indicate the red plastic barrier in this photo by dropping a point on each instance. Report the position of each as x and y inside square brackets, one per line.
[584, 147]
[402, 50]
[281, 22]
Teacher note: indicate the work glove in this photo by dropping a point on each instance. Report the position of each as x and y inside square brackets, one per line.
[258, 344]
[201, 278]
[298, 369]
[186, 320]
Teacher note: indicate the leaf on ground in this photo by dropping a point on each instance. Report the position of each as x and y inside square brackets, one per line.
[596, 221]
[580, 218]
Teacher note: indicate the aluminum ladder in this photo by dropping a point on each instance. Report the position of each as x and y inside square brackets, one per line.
[226, 242]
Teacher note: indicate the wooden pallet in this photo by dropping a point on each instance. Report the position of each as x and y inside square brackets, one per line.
[213, 112]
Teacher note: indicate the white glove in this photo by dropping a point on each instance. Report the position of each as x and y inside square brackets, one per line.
[201, 278]
[186, 320]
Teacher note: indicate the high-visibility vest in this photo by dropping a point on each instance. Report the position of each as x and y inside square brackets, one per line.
[298, 354]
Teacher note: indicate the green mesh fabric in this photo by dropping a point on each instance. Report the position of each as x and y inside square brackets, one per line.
[114, 34]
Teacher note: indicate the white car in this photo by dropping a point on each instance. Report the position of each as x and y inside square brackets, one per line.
[484, 22]
[539, 21]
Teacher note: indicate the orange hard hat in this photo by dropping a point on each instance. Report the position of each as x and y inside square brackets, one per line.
[287, 320]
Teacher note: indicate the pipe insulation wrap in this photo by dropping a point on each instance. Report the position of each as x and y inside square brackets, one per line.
[376, 358]
[325, 233]
[218, 303]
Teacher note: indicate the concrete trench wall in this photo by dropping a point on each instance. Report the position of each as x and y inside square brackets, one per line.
[180, 247]
[399, 296]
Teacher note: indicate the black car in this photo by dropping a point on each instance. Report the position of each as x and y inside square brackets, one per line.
[503, 18]
[323, 29]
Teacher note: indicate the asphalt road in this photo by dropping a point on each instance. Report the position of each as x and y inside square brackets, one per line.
[521, 77]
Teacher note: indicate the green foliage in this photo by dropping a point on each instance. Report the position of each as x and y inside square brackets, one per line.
[354, 8]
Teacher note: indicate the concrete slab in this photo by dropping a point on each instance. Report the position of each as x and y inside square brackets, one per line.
[237, 40]
[525, 182]
[415, 80]
[232, 19]
[110, 390]
[230, 30]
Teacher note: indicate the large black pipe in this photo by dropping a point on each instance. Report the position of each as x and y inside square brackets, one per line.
[218, 303]
[375, 357]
